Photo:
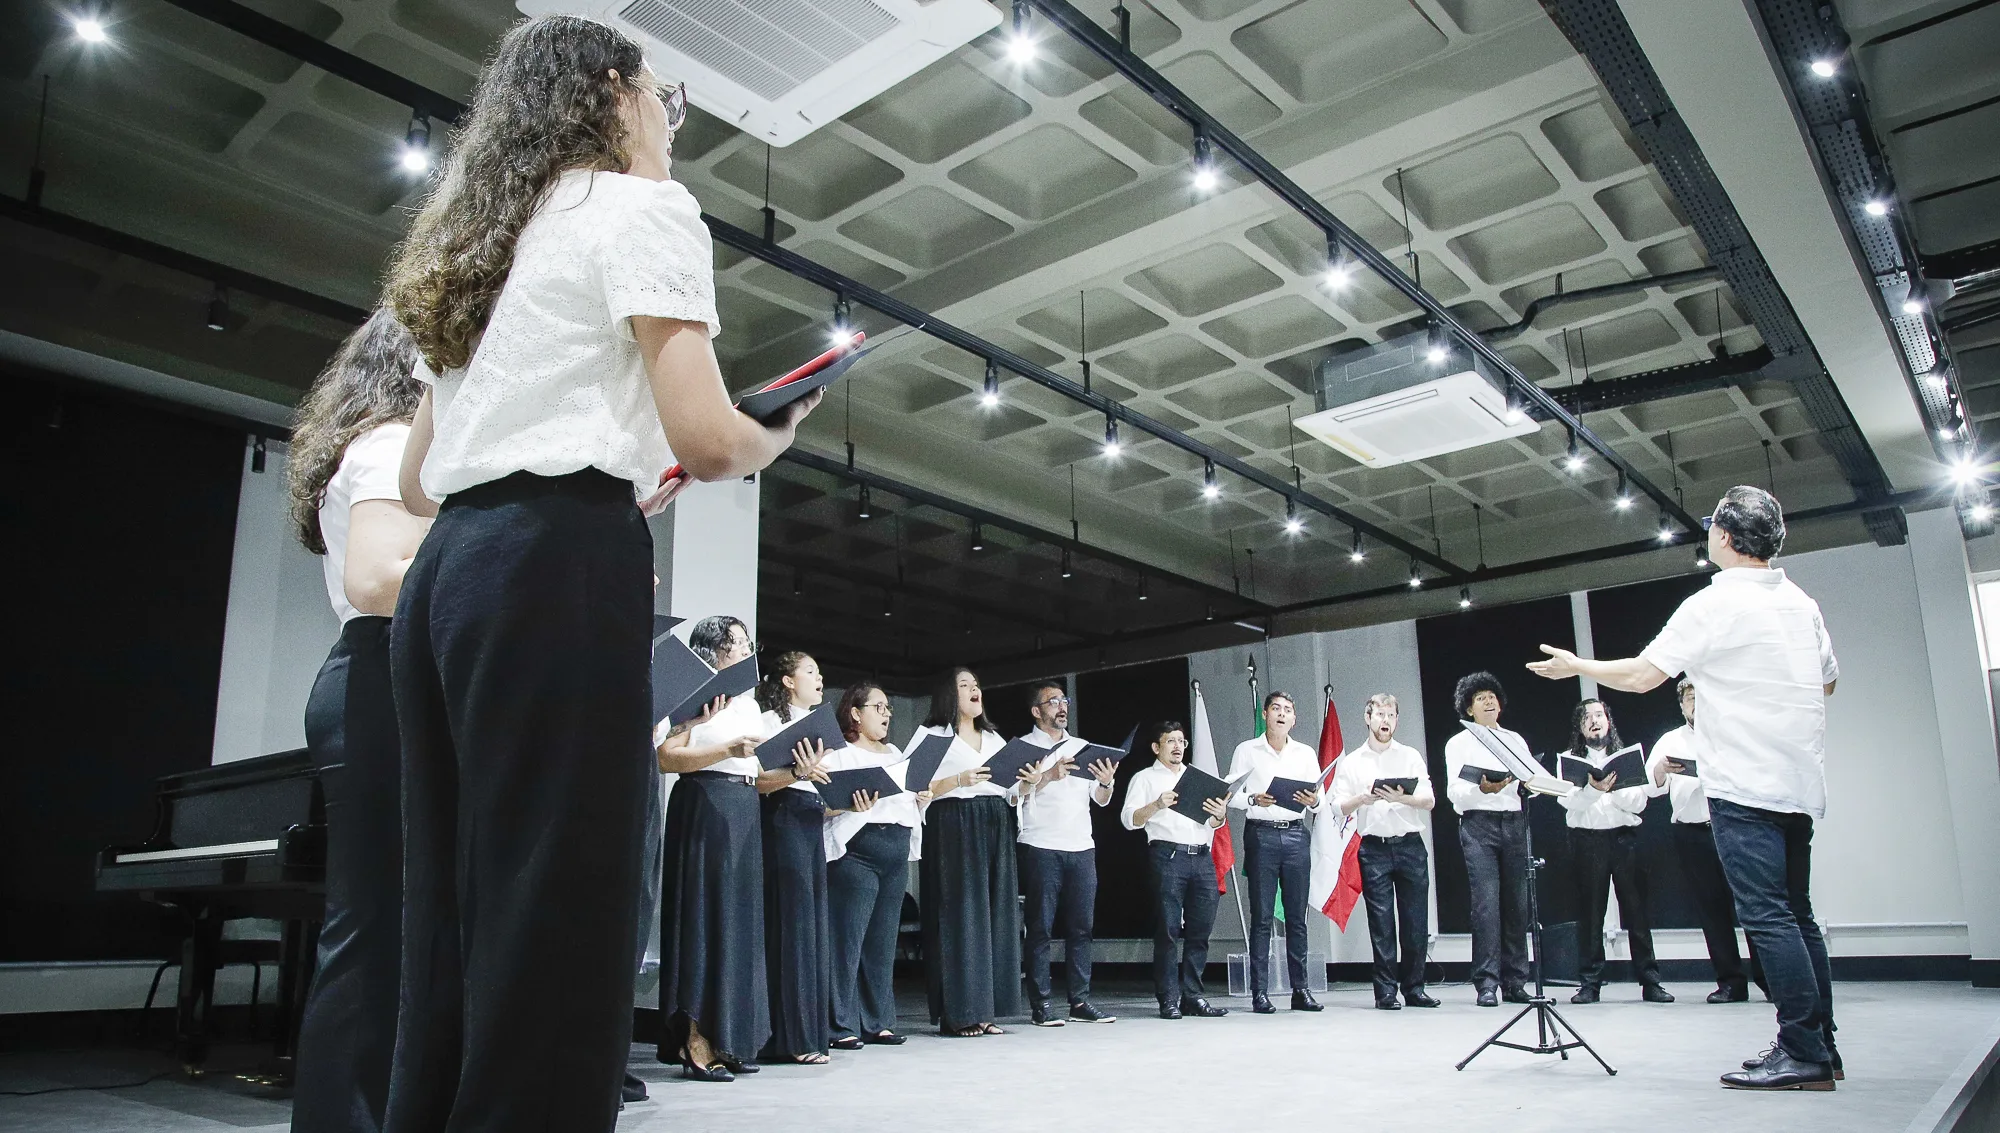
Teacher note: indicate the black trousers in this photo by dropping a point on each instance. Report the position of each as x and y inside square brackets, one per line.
[1185, 898]
[521, 648]
[970, 911]
[1495, 843]
[1277, 859]
[865, 888]
[1396, 885]
[797, 961]
[1601, 857]
[348, 1030]
[1059, 883]
[1694, 843]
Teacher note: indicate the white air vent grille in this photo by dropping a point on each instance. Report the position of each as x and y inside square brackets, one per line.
[1444, 415]
[766, 46]
[780, 69]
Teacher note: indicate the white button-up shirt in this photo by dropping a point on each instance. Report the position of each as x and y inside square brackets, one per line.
[1592, 809]
[896, 810]
[740, 717]
[1355, 774]
[1057, 816]
[1464, 750]
[772, 726]
[1297, 761]
[1757, 649]
[963, 757]
[368, 471]
[1166, 824]
[1683, 791]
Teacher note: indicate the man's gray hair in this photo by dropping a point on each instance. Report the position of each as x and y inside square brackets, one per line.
[1379, 700]
[1754, 521]
[1684, 687]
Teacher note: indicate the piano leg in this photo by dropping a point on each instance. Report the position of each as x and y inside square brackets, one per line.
[295, 972]
[196, 1000]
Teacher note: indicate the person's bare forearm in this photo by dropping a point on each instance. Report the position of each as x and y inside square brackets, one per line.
[682, 760]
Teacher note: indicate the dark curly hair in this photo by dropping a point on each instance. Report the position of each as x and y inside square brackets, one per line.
[1754, 521]
[709, 635]
[1576, 744]
[545, 104]
[1471, 685]
[850, 704]
[366, 383]
[772, 695]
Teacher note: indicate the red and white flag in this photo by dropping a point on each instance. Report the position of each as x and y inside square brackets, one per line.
[1335, 882]
[1201, 755]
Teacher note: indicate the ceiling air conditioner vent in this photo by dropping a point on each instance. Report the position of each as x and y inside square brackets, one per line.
[779, 69]
[1390, 404]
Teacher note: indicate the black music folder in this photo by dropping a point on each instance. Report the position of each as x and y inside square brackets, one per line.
[736, 680]
[1474, 775]
[1195, 788]
[839, 791]
[1091, 753]
[818, 724]
[1407, 786]
[1688, 767]
[767, 403]
[1014, 757]
[925, 759]
[1281, 791]
[1629, 764]
[677, 672]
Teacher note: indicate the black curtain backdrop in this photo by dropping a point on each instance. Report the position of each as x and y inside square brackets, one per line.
[119, 521]
[1622, 620]
[1109, 705]
[1499, 639]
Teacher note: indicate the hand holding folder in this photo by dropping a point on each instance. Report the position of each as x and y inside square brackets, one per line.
[768, 402]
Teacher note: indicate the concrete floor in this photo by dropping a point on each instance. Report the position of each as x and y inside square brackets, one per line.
[1296, 1071]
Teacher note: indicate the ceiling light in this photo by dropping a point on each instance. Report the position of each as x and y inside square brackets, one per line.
[1111, 446]
[978, 537]
[1624, 500]
[1964, 471]
[1357, 555]
[1980, 513]
[1948, 435]
[1825, 68]
[888, 604]
[1701, 559]
[1339, 276]
[1293, 524]
[1666, 534]
[1435, 354]
[1876, 208]
[864, 511]
[1516, 410]
[1465, 598]
[89, 29]
[1913, 306]
[1142, 588]
[990, 396]
[1416, 576]
[417, 145]
[1209, 488]
[1205, 176]
[1440, 347]
[218, 309]
[1021, 44]
[1065, 563]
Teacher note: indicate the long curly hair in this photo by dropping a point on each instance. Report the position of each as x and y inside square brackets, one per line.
[772, 695]
[1577, 743]
[546, 103]
[366, 383]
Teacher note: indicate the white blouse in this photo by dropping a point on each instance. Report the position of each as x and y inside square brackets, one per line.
[368, 471]
[740, 717]
[556, 384]
[896, 810]
[772, 726]
[963, 757]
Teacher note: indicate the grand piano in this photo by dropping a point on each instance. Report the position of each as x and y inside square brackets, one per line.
[242, 839]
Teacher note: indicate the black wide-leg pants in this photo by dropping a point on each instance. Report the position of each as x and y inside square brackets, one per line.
[1695, 844]
[1495, 843]
[798, 932]
[349, 1027]
[1601, 857]
[521, 649]
[865, 888]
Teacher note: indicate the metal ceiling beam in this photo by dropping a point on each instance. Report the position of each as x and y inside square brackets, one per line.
[1101, 43]
[1592, 395]
[879, 482]
[754, 245]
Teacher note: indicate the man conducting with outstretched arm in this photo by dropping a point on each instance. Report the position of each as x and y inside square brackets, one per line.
[1756, 646]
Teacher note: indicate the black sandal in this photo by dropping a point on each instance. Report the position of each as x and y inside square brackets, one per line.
[848, 1042]
[885, 1038]
[715, 1073]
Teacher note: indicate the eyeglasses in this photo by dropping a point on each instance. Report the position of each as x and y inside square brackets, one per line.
[744, 644]
[1707, 521]
[1051, 702]
[676, 100]
[884, 708]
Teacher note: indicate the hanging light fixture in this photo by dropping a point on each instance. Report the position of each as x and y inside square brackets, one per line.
[1209, 488]
[1142, 588]
[864, 511]
[1206, 178]
[1357, 555]
[1111, 446]
[1573, 462]
[218, 309]
[1624, 500]
[1416, 575]
[1021, 42]
[417, 144]
[990, 397]
[1065, 563]
[1465, 597]
[1293, 524]
[978, 537]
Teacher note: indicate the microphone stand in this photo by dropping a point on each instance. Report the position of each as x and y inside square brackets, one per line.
[1549, 1025]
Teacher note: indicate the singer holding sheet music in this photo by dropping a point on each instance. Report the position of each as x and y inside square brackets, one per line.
[1059, 855]
[714, 1005]
[1279, 789]
[346, 450]
[796, 933]
[1184, 883]
[560, 288]
[1395, 865]
[1493, 834]
[870, 843]
[1603, 819]
[972, 927]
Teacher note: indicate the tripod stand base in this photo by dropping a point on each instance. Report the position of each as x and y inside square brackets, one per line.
[1549, 1030]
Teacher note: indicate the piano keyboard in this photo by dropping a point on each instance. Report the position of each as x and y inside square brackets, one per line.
[225, 850]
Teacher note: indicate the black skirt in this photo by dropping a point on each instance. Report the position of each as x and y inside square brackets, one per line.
[712, 913]
[971, 921]
[797, 968]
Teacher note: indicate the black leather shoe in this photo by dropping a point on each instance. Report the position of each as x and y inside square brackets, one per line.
[1170, 1010]
[1042, 1015]
[1839, 1071]
[738, 1066]
[1517, 995]
[1729, 995]
[1761, 1057]
[1261, 1004]
[715, 1073]
[1585, 994]
[1654, 993]
[1085, 1013]
[632, 1089]
[1202, 1009]
[884, 1038]
[847, 1042]
[1418, 999]
[1388, 1004]
[1782, 1072]
[1487, 998]
[1302, 1000]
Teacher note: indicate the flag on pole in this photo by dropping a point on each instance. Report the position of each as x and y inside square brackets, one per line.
[1222, 850]
[1335, 883]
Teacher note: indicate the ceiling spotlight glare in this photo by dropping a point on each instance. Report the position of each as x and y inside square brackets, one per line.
[1964, 471]
[864, 511]
[990, 396]
[1701, 561]
[1666, 534]
[1210, 490]
[1435, 354]
[1980, 513]
[1825, 68]
[1516, 408]
[1624, 500]
[1020, 50]
[1205, 176]
[1464, 598]
[1339, 276]
[1416, 577]
[1111, 446]
[1142, 588]
[1876, 208]
[1356, 555]
[417, 145]
[1065, 563]
[1293, 524]
[89, 29]
[1573, 459]
[978, 538]
[1913, 306]
[1947, 434]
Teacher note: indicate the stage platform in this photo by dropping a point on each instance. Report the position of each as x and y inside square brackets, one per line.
[1349, 1066]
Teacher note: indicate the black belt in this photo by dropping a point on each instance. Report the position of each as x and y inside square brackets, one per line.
[1391, 837]
[725, 776]
[1175, 849]
[1678, 822]
[1268, 824]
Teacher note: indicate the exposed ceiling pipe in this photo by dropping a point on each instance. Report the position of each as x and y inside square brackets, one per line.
[1535, 309]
